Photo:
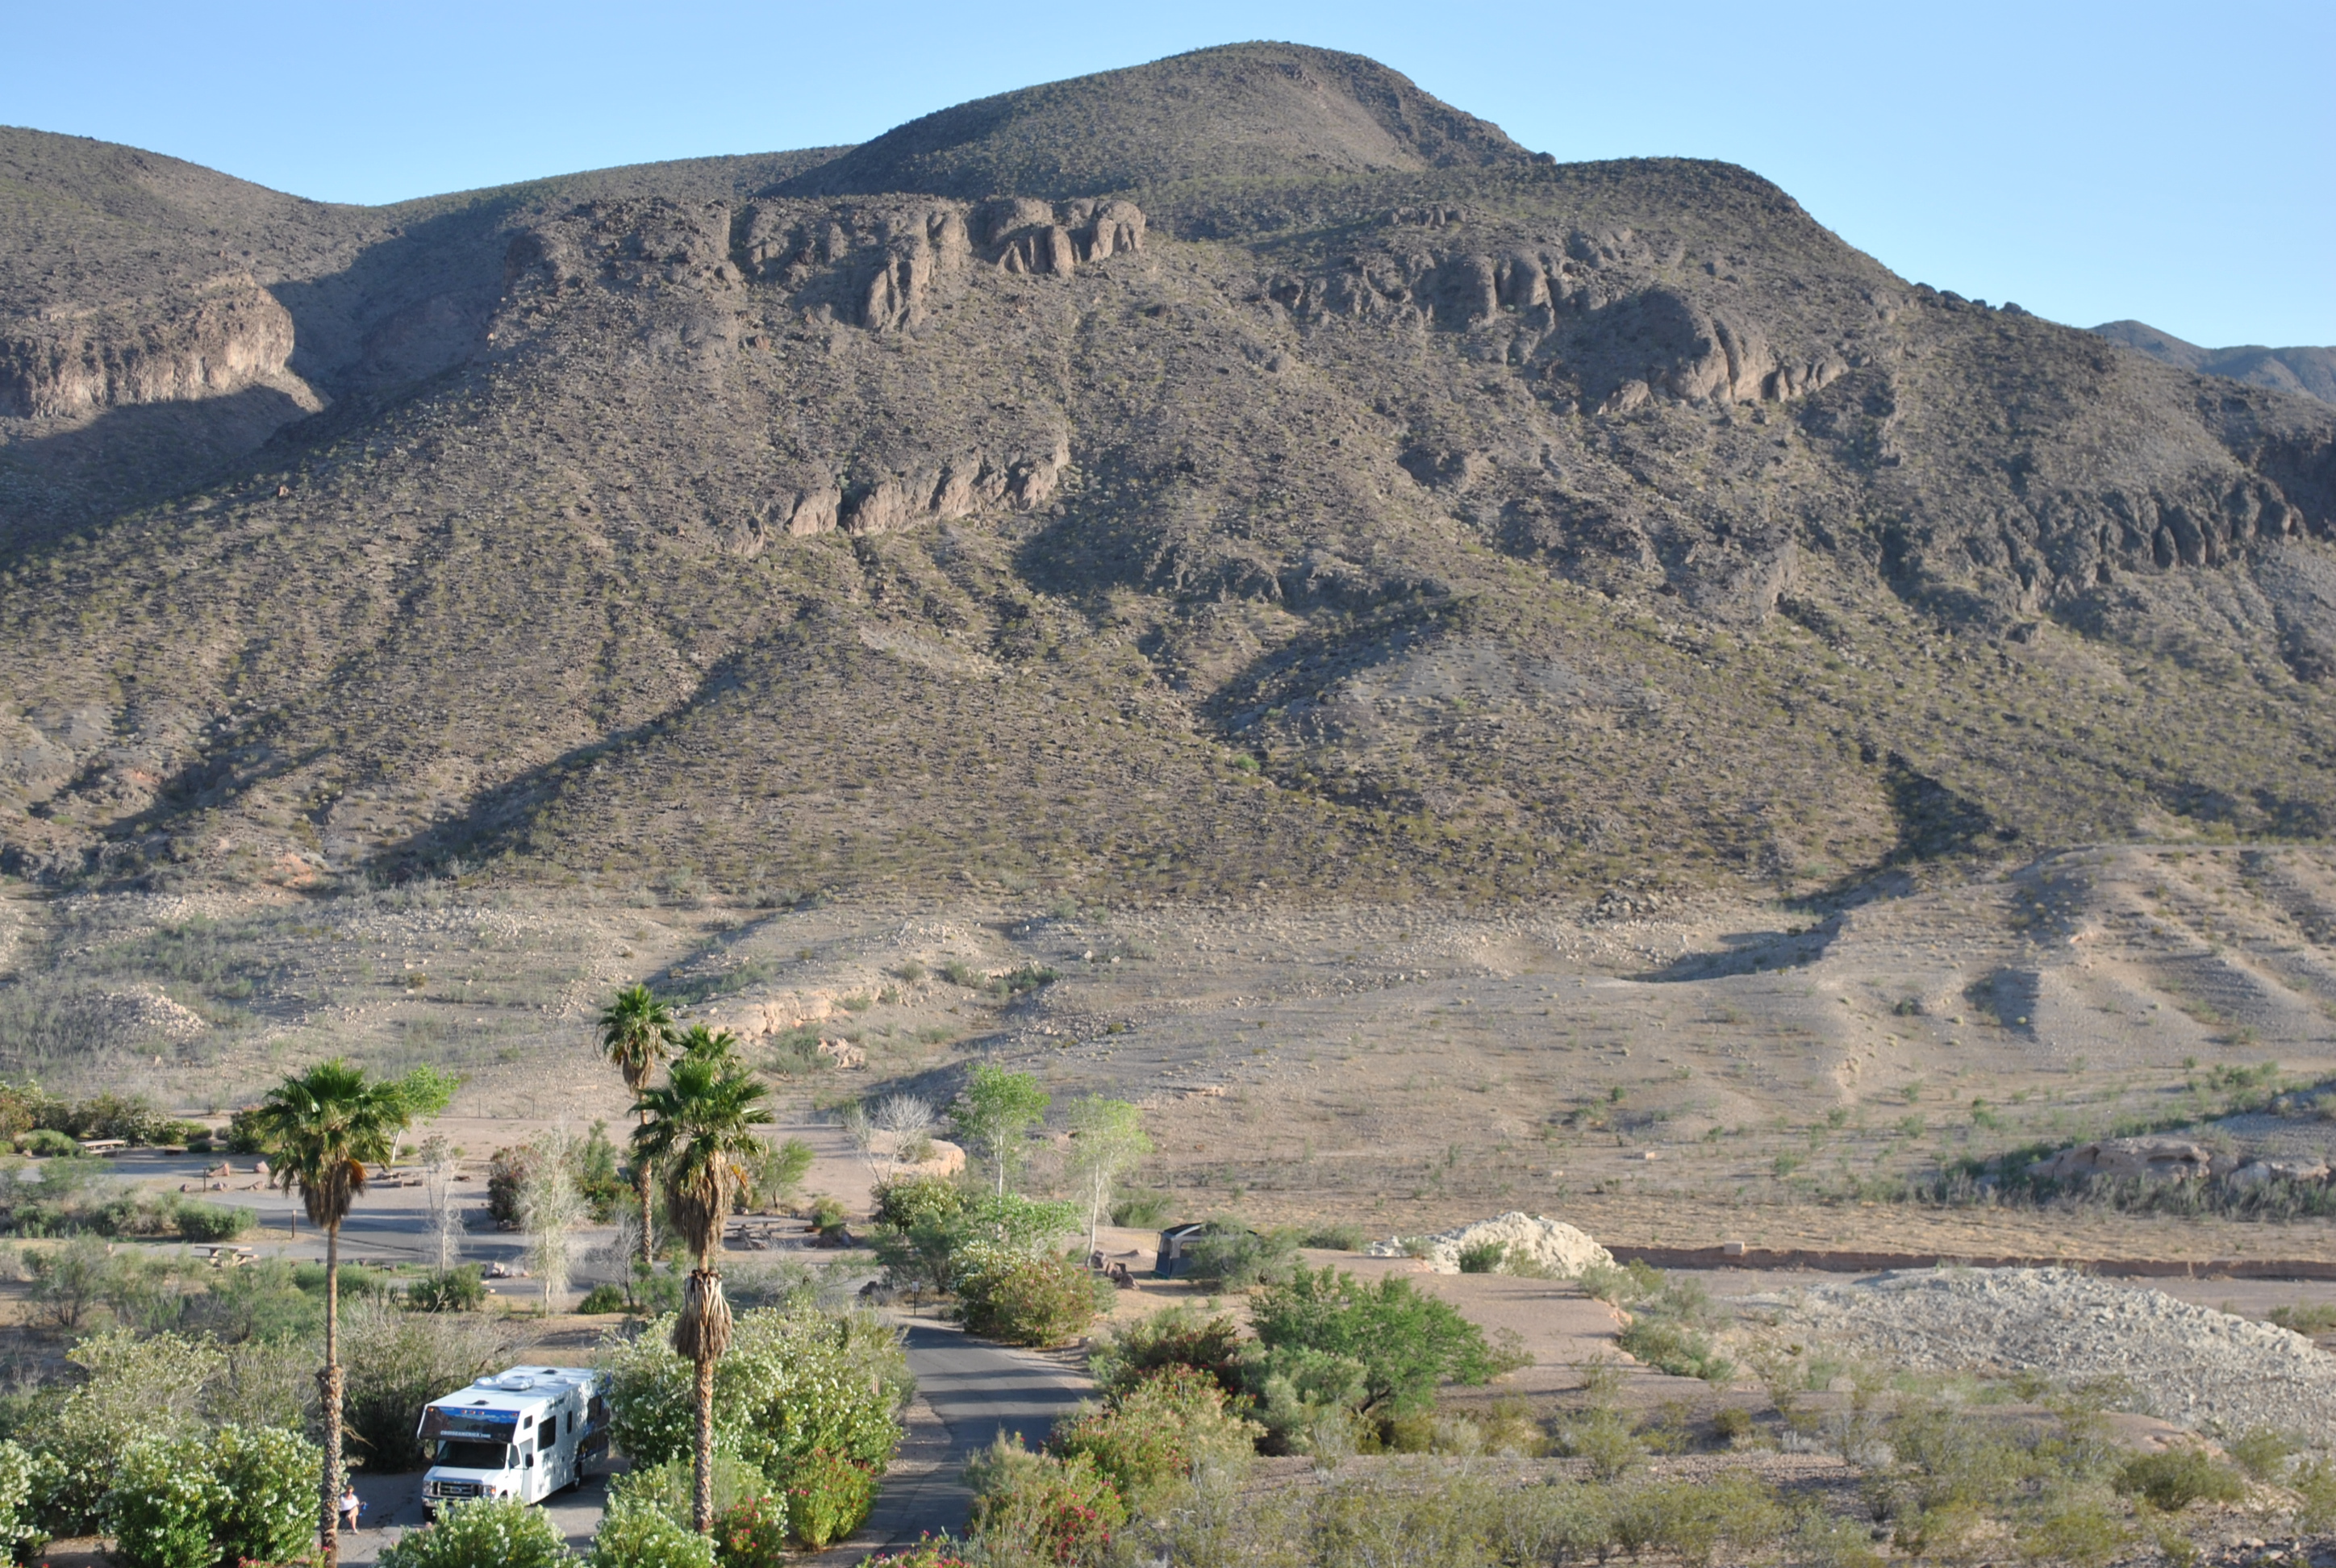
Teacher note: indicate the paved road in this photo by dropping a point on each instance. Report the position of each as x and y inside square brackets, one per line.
[970, 1392]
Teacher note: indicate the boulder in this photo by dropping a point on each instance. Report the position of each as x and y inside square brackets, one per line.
[2157, 1158]
[2255, 1173]
[1550, 1244]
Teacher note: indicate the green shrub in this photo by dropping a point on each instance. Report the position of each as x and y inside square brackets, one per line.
[1233, 1257]
[1676, 1349]
[1731, 1423]
[603, 1298]
[133, 1388]
[671, 1488]
[825, 1213]
[1143, 1211]
[268, 1478]
[751, 1534]
[1406, 1342]
[1034, 1507]
[905, 1201]
[2172, 1480]
[243, 1495]
[1483, 1257]
[1605, 1439]
[1175, 1336]
[2080, 1532]
[1338, 1238]
[16, 1527]
[827, 1496]
[48, 1143]
[2314, 1485]
[213, 1221]
[1620, 1286]
[1690, 1519]
[457, 1290]
[2262, 1453]
[159, 1507]
[482, 1533]
[2306, 1317]
[1156, 1434]
[1043, 1299]
[634, 1534]
[796, 1379]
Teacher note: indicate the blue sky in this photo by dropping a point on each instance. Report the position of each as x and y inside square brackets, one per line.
[2089, 161]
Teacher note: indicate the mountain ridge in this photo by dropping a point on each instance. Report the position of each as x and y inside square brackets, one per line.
[1480, 529]
[2309, 371]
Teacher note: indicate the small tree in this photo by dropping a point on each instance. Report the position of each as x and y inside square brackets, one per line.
[551, 1208]
[1107, 1136]
[436, 1157]
[995, 1110]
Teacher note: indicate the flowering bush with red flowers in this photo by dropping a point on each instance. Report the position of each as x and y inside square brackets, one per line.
[751, 1534]
[827, 1496]
[1031, 1505]
[930, 1552]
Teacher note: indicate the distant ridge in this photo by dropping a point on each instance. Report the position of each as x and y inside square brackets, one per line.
[2310, 371]
[1242, 111]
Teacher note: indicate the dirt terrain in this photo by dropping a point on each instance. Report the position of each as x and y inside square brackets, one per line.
[1775, 1075]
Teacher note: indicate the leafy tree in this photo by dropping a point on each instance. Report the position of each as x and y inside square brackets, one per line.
[994, 1110]
[322, 1127]
[636, 1033]
[1107, 1138]
[699, 1130]
[1175, 1336]
[776, 1171]
[1406, 1343]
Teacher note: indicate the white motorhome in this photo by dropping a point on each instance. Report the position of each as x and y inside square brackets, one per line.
[525, 1432]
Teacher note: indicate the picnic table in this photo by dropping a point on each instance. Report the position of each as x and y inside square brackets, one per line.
[233, 1257]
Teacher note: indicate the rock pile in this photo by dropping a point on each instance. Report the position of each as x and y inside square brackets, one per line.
[1547, 1244]
[2190, 1365]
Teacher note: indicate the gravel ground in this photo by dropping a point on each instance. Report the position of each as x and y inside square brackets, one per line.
[2190, 1365]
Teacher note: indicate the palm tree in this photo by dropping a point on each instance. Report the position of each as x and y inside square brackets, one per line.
[636, 1032]
[719, 1044]
[699, 1130]
[320, 1127]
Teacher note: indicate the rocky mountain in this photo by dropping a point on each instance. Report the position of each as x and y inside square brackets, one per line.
[2310, 371]
[1241, 475]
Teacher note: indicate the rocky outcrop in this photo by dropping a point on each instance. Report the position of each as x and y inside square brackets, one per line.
[209, 343]
[960, 488]
[1027, 236]
[2126, 1159]
[2257, 1173]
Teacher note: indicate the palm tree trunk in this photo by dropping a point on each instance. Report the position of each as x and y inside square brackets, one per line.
[641, 1171]
[328, 1539]
[701, 1506]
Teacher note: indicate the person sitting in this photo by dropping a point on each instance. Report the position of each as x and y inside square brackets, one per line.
[351, 1506]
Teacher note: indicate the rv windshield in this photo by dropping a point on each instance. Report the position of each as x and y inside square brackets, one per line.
[471, 1454]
